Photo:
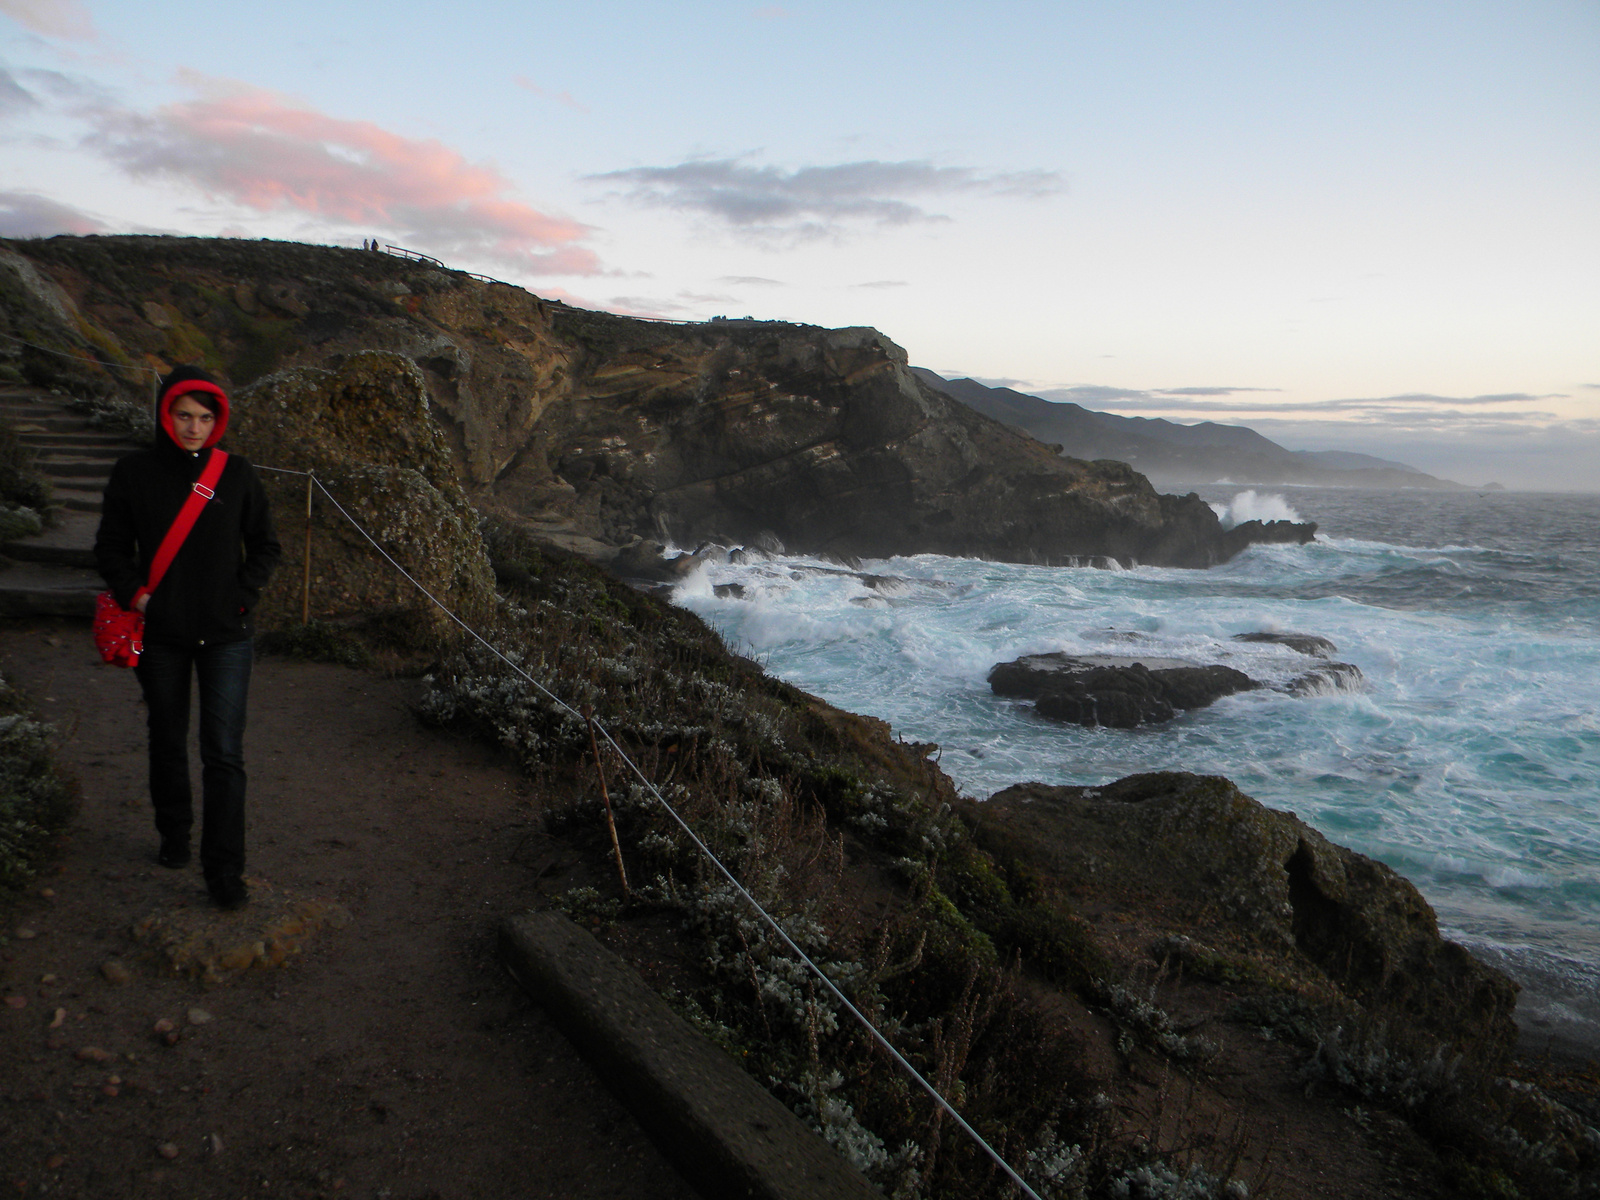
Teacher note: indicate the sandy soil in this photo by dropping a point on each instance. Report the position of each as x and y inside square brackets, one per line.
[389, 1056]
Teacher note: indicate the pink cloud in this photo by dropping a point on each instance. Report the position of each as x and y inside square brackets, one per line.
[53, 18]
[528, 85]
[259, 149]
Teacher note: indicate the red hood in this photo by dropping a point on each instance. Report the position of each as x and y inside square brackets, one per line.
[164, 416]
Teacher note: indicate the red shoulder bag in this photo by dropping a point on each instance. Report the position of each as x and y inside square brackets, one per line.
[118, 631]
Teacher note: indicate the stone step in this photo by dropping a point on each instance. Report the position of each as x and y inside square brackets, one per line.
[42, 424]
[76, 467]
[77, 499]
[69, 542]
[88, 439]
[46, 590]
[16, 403]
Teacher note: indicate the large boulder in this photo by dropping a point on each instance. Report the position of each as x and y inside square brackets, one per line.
[1176, 853]
[1119, 691]
[364, 430]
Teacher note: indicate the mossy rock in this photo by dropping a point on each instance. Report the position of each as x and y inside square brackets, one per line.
[365, 431]
[1193, 854]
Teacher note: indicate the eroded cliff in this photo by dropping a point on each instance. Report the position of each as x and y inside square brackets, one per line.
[597, 431]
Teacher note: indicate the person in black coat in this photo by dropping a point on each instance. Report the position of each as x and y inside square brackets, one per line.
[197, 621]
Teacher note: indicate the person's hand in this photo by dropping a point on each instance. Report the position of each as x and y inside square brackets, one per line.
[141, 604]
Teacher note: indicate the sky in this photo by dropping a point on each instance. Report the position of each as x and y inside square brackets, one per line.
[1349, 225]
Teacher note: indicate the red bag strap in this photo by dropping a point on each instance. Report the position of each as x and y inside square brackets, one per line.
[204, 490]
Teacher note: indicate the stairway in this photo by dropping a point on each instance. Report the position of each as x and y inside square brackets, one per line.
[52, 573]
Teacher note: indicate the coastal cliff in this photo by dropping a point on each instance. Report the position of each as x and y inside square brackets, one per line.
[1049, 957]
[599, 432]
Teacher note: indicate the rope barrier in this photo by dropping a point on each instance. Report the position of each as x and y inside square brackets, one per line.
[649, 786]
[688, 830]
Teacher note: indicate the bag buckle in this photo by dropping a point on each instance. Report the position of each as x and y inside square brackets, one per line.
[205, 491]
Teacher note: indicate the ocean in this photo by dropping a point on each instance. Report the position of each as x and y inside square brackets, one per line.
[1468, 759]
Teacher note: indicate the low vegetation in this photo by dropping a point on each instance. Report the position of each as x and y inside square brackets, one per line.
[24, 492]
[36, 799]
[850, 839]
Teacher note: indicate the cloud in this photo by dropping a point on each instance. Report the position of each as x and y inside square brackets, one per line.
[14, 98]
[259, 149]
[649, 306]
[28, 215]
[750, 281]
[993, 381]
[1090, 395]
[882, 283]
[1212, 400]
[528, 85]
[1559, 454]
[813, 202]
[1212, 391]
[54, 18]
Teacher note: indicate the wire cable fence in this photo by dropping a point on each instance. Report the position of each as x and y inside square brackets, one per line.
[649, 786]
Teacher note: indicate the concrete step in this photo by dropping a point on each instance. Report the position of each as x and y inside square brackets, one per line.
[88, 439]
[77, 499]
[76, 467]
[45, 590]
[725, 1132]
[70, 542]
[44, 424]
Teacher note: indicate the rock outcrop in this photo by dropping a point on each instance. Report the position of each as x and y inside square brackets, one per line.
[597, 431]
[1120, 691]
[1192, 855]
[364, 430]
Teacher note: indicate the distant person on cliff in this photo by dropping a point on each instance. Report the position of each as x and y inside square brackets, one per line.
[197, 621]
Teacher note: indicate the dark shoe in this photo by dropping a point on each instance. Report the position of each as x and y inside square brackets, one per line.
[173, 853]
[229, 894]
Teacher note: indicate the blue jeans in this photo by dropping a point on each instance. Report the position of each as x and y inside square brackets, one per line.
[223, 671]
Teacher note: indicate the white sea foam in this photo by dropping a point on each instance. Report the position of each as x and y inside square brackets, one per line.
[1469, 760]
[1251, 506]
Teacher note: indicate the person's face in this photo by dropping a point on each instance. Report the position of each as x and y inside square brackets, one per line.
[192, 422]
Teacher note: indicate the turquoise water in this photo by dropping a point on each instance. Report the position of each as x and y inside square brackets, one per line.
[1469, 760]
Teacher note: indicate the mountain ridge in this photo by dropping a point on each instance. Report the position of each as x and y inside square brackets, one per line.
[1170, 453]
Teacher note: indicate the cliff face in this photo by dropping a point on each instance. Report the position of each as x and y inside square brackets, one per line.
[597, 431]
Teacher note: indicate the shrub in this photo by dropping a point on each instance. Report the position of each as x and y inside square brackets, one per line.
[36, 799]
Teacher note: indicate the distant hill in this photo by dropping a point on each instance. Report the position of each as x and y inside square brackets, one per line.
[1169, 453]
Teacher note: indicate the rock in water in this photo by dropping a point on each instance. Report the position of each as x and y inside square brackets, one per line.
[1304, 643]
[1118, 691]
[1327, 680]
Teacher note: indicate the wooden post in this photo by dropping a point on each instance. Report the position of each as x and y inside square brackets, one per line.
[611, 824]
[305, 596]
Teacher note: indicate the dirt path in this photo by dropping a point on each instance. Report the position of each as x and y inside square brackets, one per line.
[392, 1057]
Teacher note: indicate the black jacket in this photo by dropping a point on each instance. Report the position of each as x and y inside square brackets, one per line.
[214, 582]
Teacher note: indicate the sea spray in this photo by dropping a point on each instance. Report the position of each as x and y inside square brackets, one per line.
[1468, 758]
[1249, 506]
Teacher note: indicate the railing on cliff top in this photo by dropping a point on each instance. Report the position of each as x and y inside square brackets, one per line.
[418, 256]
[649, 786]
